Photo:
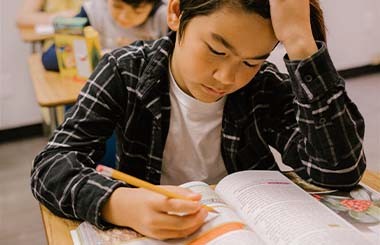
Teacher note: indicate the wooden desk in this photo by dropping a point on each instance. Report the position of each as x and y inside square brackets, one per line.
[57, 229]
[29, 35]
[50, 88]
[372, 179]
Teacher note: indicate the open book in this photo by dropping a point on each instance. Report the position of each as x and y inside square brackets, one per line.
[255, 207]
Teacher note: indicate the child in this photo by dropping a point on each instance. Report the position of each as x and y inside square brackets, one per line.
[119, 22]
[198, 105]
[34, 12]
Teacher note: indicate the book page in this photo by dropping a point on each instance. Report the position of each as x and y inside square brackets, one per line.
[87, 234]
[282, 213]
[223, 228]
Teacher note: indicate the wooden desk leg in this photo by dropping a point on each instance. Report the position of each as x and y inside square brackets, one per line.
[34, 47]
[53, 119]
[37, 47]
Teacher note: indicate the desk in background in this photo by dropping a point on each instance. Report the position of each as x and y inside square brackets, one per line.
[51, 89]
[58, 229]
[29, 35]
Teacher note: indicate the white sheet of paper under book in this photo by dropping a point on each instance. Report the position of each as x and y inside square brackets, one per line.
[261, 207]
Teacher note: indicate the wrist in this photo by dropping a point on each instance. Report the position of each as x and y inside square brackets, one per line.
[300, 48]
[110, 212]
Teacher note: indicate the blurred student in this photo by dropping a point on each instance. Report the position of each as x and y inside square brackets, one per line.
[119, 23]
[42, 12]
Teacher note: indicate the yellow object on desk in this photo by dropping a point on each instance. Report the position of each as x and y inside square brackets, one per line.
[77, 47]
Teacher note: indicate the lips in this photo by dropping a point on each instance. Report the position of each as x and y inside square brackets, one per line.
[213, 90]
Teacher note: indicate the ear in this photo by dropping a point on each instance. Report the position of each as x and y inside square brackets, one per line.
[174, 14]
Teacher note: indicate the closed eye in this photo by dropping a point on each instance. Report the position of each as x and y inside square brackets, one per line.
[249, 65]
[214, 51]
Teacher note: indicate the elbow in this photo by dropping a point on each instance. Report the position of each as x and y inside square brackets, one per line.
[343, 176]
[34, 182]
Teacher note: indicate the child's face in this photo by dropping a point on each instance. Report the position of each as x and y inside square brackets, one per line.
[220, 53]
[126, 16]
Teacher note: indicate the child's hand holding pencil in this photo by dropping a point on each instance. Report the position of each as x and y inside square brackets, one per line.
[150, 210]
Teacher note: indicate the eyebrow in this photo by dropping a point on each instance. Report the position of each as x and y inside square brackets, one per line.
[226, 44]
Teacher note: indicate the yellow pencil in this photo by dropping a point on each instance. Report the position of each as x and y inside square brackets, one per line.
[113, 173]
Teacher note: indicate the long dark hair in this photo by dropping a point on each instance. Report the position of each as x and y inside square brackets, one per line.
[192, 8]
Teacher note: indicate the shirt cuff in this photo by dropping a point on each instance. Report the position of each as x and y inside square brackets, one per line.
[312, 77]
[95, 194]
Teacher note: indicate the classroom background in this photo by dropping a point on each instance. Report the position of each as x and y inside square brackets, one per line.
[353, 41]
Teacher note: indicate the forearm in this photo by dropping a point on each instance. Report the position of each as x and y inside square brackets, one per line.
[69, 186]
[300, 48]
[331, 125]
[110, 211]
[63, 176]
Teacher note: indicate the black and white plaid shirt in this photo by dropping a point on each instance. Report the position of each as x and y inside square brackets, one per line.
[307, 117]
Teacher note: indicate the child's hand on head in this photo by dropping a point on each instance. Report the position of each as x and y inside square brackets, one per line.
[151, 214]
[292, 26]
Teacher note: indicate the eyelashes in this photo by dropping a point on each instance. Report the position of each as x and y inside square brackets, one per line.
[213, 51]
[249, 65]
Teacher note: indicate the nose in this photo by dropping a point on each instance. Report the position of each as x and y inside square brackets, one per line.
[226, 73]
[124, 16]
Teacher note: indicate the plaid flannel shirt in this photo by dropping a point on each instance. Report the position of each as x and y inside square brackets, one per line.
[306, 115]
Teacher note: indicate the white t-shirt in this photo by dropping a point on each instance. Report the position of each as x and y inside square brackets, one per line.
[109, 31]
[193, 148]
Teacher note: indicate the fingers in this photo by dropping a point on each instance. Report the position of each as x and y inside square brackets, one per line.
[148, 212]
[166, 225]
[179, 206]
[173, 205]
[175, 222]
[172, 226]
[183, 192]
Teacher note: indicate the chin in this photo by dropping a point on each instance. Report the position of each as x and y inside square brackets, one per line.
[126, 26]
[208, 100]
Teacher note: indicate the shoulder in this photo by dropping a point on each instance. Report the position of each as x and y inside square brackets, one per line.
[161, 11]
[158, 20]
[96, 10]
[98, 5]
[140, 58]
